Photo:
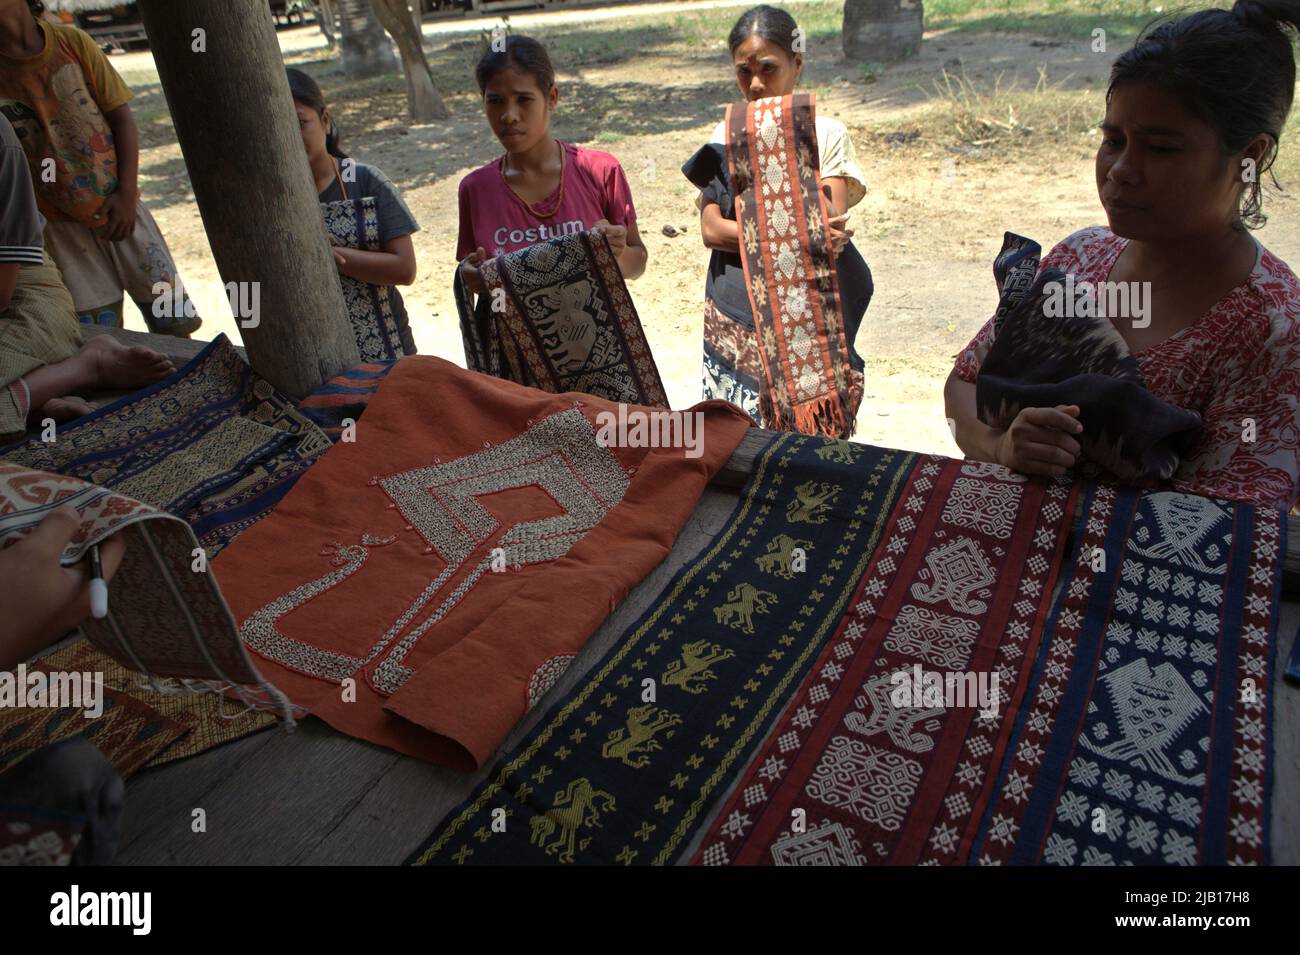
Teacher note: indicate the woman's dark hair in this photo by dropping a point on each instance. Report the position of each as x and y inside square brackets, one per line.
[306, 91]
[522, 53]
[771, 23]
[1234, 69]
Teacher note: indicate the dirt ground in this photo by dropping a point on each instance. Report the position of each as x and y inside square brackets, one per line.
[930, 225]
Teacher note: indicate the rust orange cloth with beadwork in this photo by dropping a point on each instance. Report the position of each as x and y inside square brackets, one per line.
[425, 584]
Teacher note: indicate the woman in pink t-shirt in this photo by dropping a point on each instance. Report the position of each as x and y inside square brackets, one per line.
[540, 188]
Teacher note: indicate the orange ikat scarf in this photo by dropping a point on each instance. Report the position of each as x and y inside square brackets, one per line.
[808, 385]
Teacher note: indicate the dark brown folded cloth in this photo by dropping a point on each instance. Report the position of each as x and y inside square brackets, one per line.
[1038, 361]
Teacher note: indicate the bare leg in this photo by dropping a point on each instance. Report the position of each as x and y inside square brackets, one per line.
[102, 364]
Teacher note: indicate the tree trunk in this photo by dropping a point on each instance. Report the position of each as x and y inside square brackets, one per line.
[882, 31]
[423, 103]
[237, 130]
[366, 50]
[324, 10]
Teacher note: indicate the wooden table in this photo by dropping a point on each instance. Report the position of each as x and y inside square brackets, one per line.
[315, 796]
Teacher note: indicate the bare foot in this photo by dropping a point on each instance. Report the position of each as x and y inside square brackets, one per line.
[64, 409]
[111, 364]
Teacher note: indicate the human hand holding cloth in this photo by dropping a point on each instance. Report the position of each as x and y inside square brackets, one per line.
[1057, 364]
[47, 599]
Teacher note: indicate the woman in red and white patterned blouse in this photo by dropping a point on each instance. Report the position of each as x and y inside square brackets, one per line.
[1193, 116]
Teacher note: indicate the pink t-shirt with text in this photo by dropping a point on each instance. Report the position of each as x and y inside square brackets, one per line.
[493, 217]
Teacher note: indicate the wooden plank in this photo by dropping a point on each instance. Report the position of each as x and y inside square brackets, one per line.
[162, 798]
[740, 465]
[387, 824]
[271, 810]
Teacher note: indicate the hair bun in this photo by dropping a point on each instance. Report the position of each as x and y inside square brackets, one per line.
[1268, 15]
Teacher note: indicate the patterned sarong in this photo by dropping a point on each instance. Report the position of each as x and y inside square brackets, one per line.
[129, 733]
[557, 316]
[1041, 360]
[213, 444]
[625, 768]
[887, 747]
[732, 368]
[206, 719]
[422, 585]
[30, 836]
[808, 384]
[379, 320]
[166, 616]
[1145, 732]
[344, 397]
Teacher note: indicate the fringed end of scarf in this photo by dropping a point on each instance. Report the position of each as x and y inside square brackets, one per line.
[827, 416]
[264, 696]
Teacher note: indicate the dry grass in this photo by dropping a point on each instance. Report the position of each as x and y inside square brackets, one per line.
[978, 116]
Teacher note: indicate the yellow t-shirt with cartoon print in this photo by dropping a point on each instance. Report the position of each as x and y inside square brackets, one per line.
[56, 101]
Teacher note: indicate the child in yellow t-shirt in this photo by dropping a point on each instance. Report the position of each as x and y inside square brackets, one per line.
[69, 108]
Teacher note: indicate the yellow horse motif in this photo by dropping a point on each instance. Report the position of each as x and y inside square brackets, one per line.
[632, 744]
[837, 452]
[691, 672]
[779, 559]
[579, 805]
[743, 602]
[812, 502]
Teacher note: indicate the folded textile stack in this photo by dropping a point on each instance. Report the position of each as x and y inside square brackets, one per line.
[205, 719]
[217, 447]
[344, 398]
